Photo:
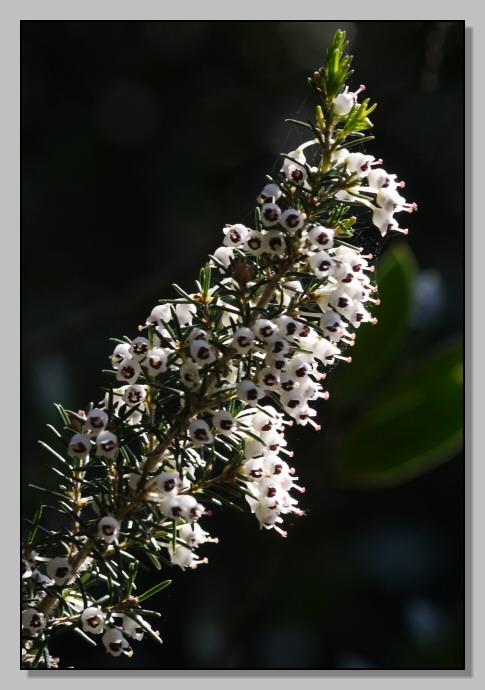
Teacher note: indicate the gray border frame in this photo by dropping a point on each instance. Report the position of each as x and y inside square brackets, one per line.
[11, 15]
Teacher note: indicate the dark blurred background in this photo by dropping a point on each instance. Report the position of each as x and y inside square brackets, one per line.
[140, 141]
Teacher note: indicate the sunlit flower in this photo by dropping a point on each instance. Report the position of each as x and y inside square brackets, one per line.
[128, 370]
[234, 235]
[96, 420]
[115, 643]
[92, 619]
[59, 569]
[134, 395]
[79, 446]
[292, 220]
[200, 433]
[33, 620]
[108, 529]
[107, 445]
[346, 100]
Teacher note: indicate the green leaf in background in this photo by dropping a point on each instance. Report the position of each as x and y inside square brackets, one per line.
[413, 425]
[376, 346]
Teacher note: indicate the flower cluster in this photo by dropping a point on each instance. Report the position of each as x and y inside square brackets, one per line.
[200, 399]
[375, 188]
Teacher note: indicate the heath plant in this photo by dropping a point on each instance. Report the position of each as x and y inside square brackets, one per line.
[195, 407]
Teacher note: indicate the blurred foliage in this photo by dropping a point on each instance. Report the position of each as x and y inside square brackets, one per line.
[377, 349]
[140, 141]
[412, 419]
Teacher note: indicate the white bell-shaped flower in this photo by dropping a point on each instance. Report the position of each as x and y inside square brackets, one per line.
[254, 449]
[292, 220]
[332, 325]
[254, 469]
[134, 394]
[92, 619]
[254, 243]
[156, 362]
[321, 237]
[224, 255]
[59, 569]
[132, 628]
[243, 339]
[270, 193]
[108, 529]
[33, 620]
[322, 264]
[341, 302]
[115, 643]
[196, 334]
[270, 214]
[189, 374]
[359, 163]
[185, 313]
[274, 242]
[346, 100]
[120, 353]
[292, 401]
[159, 315]
[344, 103]
[168, 482]
[249, 392]
[202, 352]
[265, 329]
[181, 556]
[79, 446]
[193, 534]
[96, 420]
[288, 381]
[128, 370]
[278, 345]
[200, 433]
[288, 327]
[139, 348]
[107, 445]
[379, 178]
[300, 366]
[294, 167]
[268, 378]
[224, 421]
[235, 235]
[189, 507]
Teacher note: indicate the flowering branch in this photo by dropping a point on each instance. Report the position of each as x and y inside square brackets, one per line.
[196, 409]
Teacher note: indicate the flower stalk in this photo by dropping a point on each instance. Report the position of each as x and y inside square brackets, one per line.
[195, 412]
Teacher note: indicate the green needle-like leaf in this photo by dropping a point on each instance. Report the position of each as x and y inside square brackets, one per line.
[85, 637]
[154, 590]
